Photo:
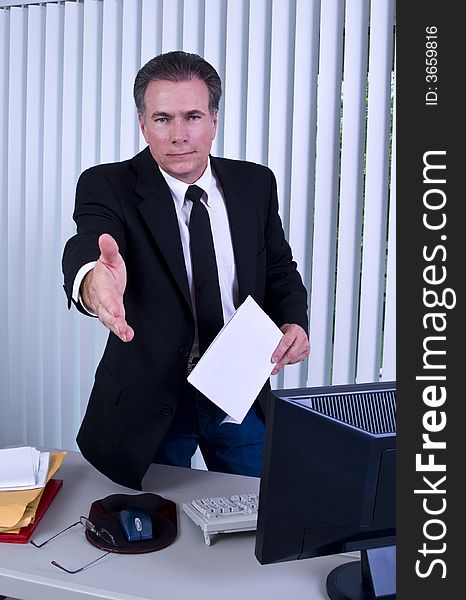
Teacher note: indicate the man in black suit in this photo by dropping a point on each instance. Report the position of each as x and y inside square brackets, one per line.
[130, 265]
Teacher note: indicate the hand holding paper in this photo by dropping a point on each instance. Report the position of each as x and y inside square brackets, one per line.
[293, 347]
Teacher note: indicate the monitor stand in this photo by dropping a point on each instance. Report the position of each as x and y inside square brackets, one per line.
[371, 578]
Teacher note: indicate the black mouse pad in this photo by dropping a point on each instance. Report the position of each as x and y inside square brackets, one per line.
[104, 514]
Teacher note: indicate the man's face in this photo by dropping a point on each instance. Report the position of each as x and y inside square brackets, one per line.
[178, 127]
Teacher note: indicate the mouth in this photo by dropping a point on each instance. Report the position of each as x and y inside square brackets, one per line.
[180, 154]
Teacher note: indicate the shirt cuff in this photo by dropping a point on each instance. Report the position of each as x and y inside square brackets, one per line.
[76, 295]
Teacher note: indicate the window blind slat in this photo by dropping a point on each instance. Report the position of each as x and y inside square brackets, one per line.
[52, 151]
[151, 29]
[281, 107]
[172, 28]
[235, 80]
[389, 334]
[71, 166]
[33, 166]
[16, 136]
[91, 334]
[326, 190]
[111, 81]
[4, 304]
[193, 27]
[376, 194]
[214, 52]
[303, 150]
[351, 191]
[258, 81]
[131, 44]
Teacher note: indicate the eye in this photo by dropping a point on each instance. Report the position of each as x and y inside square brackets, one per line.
[160, 120]
[194, 117]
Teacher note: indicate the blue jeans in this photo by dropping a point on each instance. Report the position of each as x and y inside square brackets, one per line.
[228, 448]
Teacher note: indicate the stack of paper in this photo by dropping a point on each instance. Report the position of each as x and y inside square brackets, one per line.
[23, 468]
[24, 472]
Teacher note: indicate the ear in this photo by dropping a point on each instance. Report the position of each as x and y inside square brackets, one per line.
[214, 124]
[142, 125]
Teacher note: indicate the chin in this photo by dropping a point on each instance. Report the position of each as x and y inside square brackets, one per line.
[185, 174]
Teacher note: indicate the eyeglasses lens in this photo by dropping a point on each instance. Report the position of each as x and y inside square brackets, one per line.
[105, 535]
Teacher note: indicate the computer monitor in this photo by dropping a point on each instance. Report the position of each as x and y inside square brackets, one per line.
[328, 484]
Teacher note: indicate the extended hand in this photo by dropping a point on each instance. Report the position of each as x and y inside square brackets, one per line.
[103, 287]
[293, 347]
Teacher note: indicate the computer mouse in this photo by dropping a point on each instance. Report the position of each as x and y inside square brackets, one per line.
[136, 524]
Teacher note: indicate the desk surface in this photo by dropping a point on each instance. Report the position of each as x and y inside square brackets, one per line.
[186, 570]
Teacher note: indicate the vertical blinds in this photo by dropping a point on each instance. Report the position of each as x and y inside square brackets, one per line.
[308, 89]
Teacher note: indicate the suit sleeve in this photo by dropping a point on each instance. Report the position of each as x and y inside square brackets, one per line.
[286, 296]
[97, 210]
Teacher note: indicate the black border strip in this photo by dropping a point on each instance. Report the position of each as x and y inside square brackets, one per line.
[430, 253]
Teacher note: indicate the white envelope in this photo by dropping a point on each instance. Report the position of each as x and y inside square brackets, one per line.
[237, 363]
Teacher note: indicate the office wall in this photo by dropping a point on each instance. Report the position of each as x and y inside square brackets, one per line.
[308, 91]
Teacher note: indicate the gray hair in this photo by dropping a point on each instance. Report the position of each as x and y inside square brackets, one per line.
[177, 66]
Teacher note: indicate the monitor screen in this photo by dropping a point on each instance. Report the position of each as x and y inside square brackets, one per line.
[328, 483]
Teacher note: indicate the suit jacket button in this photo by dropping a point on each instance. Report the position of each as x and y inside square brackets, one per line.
[166, 410]
[184, 352]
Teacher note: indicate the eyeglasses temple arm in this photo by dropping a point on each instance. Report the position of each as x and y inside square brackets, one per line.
[55, 564]
[53, 536]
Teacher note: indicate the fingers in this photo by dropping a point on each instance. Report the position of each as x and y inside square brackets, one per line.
[109, 253]
[112, 316]
[293, 347]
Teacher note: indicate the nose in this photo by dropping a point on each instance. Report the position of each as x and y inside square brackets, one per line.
[179, 132]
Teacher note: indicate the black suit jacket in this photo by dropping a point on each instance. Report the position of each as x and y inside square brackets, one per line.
[139, 384]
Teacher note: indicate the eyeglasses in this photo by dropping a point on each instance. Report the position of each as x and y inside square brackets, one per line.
[101, 533]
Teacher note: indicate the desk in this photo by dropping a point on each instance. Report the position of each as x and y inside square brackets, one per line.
[186, 570]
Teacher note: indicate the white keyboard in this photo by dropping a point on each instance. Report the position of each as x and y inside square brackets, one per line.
[224, 515]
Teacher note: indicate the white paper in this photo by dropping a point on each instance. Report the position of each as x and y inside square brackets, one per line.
[236, 365]
[23, 468]
[43, 470]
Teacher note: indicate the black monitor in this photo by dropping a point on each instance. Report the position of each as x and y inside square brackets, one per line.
[328, 484]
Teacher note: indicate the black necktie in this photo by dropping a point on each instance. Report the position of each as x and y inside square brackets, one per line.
[205, 275]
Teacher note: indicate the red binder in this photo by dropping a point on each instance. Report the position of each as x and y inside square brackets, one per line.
[50, 491]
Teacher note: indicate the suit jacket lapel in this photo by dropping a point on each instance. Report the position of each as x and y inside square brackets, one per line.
[158, 210]
[243, 226]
